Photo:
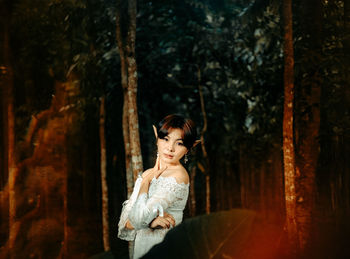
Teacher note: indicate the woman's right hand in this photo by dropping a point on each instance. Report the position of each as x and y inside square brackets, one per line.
[156, 171]
[163, 222]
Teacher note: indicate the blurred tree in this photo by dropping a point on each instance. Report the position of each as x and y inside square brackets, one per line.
[8, 115]
[333, 180]
[126, 36]
[202, 143]
[53, 50]
[103, 166]
[126, 19]
[308, 78]
[288, 129]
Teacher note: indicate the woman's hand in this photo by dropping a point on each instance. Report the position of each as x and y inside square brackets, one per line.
[128, 225]
[163, 222]
[147, 176]
[156, 171]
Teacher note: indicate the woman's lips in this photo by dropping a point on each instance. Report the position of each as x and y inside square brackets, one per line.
[168, 156]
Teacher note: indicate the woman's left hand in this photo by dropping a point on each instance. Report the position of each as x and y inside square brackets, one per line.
[163, 222]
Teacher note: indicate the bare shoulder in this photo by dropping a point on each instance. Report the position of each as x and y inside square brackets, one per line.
[180, 174]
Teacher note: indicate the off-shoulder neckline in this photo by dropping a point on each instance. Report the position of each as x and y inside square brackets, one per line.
[171, 178]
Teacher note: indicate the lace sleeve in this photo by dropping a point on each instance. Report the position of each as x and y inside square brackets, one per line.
[147, 208]
[124, 233]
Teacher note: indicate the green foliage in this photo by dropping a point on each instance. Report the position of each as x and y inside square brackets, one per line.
[53, 40]
[335, 70]
[44, 33]
[234, 45]
[237, 49]
[325, 63]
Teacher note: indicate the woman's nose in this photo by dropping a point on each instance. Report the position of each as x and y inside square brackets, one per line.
[171, 147]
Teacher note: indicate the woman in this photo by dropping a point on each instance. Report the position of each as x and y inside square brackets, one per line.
[160, 193]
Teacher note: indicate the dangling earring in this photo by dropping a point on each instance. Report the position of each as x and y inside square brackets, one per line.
[186, 158]
[157, 154]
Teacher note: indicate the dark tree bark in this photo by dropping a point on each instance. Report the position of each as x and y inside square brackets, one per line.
[288, 133]
[346, 46]
[124, 81]
[204, 150]
[243, 178]
[7, 86]
[192, 199]
[346, 40]
[307, 116]
[126, 45]
[104, 185]
[43, 215]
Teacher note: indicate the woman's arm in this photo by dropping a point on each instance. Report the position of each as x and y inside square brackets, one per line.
[159, 222]
[125, 229]
[146, 209]
[143, 189]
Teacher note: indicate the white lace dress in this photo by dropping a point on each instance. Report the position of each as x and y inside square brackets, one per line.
[164, 194]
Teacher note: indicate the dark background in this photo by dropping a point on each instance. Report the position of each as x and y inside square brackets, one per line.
[63, 57]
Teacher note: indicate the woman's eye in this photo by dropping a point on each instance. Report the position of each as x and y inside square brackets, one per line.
[180, 144]
[166, 139]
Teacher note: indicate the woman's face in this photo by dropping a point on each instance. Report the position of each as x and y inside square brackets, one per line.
[171, 149]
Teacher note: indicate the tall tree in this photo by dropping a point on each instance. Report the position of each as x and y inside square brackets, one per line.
[8, 116]
[104, 185]
[288, 131]
[307, 114]
[204, 150]
[126, 44]
[347, 29]
[346, 51]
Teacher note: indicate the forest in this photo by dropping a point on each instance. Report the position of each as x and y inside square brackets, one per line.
[266, 82]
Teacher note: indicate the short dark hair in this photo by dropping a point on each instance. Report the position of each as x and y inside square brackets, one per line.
[175, 121]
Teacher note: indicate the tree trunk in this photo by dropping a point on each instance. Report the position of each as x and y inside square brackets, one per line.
[307, 117]
[193, 192]
[65, 201]
[262, 194]
[136, 157]
[346, 46]
[207, 199]
[228, 184]
[124, 81]
[9, 120]
[243, 177]
[288, 134]
[104, 186]
[126, 47]
[346, 40]
[204, 150]
[277, 168]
